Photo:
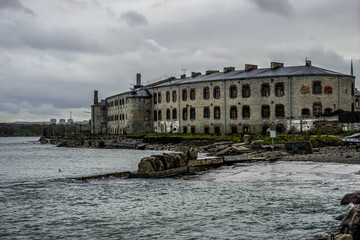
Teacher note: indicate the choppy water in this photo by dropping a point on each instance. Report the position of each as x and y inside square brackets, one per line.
[254, 201]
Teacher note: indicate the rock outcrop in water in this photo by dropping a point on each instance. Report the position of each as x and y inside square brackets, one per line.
[353, 197]
[351, 223]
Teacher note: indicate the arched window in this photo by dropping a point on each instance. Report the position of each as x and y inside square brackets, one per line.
[279, 89]
[233, 91]
[216, 112]
[216, 92]
[245, 91]
[167, 96]
[206, 93]
[185, 113]
[279, 111]
[265, 90]
[246, 111]
[233, 112]
[265, 111]
[174, 96]
[184, 94]
[192, 113]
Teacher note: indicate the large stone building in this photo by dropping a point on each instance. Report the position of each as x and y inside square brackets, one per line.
[252, 100]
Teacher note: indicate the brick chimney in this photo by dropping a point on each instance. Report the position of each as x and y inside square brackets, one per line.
[250, 67]
[276, 65]
[208, 72]
[229, 69]
[195, 74]
[307, 63]
[96, 98]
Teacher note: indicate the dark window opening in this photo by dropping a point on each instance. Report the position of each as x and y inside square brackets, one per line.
[233, 91]
[265, 111]
[245, 111]
[233, 129]
[317, 87]
[192, 129]
[264, 129]
[246, 129]
[245, 91]
[155, 98]
[305, 112]
[159, 115]
[174, 114]
[159, 97]
[206, 93]
[279, 111]
[279, 89]
[167, 96]
[280, 128]
[216, 92]
[192, 94]
[206, 112]
[265, 90]
[184, 94]
[206, 130]
[217, 130]
[185, 113]
[216, 112]
[155, 115]
[192, 114]
[327, 111]
[168, 114]
[174, 96]
[233, 112]
[185, 129]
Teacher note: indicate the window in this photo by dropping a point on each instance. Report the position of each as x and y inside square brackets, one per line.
[216, 92]
[206, 129]
[233, 112]
[206, 93]
[245, 111]
[192, 129]
[279, 111]
[167, 114]
[192, 113]
[317, 109]
[159, 115]
[184, 113]
[265, 90]
[206, 112]
[233, 129]
[174, 96]
[159, 97]
[264, 129]
[192, 94]
[216, 112]
[245, 91]
[217, 130]
[279, 89]
[155, 115]
[233, 91]
[155, 98]
[265, 111]
[167, 96]
[305, 112]
[174, 114]
[280, 128]
[316, 87]
[328, 90]
[246, 128]
[185, 129]
[184, 95]
[327, 111]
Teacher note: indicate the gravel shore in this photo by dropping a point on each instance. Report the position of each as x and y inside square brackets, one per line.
[341, 154]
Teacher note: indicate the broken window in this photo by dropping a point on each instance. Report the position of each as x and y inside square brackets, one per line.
[167, 114]
[280, 128]
[265, 90]
[279, 111]
[245, 111]
[192, 113]
[206, 93]
[233, 112]
[317, 87]
[317, 109]
[305, 112]
[192, 94]
[185, 113]
[185, 129]
[155, 115]
[192, 129]
[265, 111]
[155, 98]
[206, 129]
[279, 89]
[174, 114]
[216, 112]
[233, 91]
[206, 112]
[233, 129]
[245, 91]
[159, 97]
[217, 130]
[184, 94]
[216, 92]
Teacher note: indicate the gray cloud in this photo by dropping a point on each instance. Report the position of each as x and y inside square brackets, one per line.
[14, 5]
[282, 7]
[134, 18]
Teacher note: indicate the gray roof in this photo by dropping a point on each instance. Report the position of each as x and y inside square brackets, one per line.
[256, 73]
[143, 93]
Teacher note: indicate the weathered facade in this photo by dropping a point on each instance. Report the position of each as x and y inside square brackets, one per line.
[286, 99]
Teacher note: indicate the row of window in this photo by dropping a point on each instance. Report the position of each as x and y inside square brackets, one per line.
[117, 102]
[234, 129]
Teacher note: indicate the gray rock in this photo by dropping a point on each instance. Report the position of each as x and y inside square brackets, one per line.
[353, 197]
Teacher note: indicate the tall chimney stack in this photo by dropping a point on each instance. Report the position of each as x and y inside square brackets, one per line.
[96, 99]
[138, 79]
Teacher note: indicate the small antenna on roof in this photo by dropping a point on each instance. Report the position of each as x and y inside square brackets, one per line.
[183, 70]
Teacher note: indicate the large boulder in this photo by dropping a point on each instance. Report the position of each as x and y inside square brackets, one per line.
[351, 223]
[168, 161]
[190, 152]
[145, 166]
[180, 159]
[353, 197]
[156, 162]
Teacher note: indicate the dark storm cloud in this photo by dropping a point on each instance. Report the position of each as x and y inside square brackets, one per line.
[14, 5]
[134, 18]
[282, 7]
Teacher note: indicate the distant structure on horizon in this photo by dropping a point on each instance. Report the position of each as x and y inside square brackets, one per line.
[251, 100]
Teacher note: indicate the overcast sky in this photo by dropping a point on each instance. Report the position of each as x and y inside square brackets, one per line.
[53, 54]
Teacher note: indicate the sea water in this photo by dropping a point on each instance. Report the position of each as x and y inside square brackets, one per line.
[39, 198]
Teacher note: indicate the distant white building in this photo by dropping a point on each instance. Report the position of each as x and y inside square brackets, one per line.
[53, 121]
[62, 121]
